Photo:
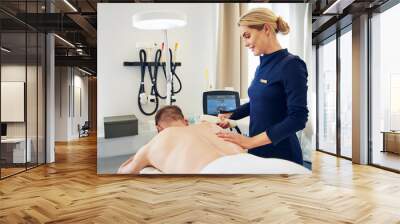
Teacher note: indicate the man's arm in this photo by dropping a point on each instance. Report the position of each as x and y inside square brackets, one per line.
[136, 163]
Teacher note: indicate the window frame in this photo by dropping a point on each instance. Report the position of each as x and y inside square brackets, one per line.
[334, 37]
[379, 10]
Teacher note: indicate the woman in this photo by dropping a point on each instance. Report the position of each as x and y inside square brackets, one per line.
[278, 92]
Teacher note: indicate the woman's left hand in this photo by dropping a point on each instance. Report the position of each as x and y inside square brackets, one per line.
[238, 139]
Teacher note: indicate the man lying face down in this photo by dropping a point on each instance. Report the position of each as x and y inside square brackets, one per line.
[179, 147]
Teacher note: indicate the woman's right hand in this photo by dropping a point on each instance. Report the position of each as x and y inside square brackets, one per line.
[224, 123]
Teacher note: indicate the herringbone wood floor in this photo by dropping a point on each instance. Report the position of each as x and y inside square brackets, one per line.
[70, 191]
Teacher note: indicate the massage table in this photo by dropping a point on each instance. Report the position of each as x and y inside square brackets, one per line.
[245, 163]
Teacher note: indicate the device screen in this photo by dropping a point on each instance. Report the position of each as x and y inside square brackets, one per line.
[216, 103]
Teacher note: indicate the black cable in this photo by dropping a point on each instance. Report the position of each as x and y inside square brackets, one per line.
[142, 57]
[173, 68]
[238, 130]
[156, 65]
[173, 65]
[143, 64]
[153, 90]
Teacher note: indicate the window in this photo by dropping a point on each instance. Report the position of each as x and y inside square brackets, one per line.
[394, 101]
[327, 97]
[22, 65]
[385, 88]
[346, 94]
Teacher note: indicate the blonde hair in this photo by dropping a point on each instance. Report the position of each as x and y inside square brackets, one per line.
[257, 17]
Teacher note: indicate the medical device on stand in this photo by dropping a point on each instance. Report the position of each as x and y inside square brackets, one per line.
[217, 102]
[159, 20]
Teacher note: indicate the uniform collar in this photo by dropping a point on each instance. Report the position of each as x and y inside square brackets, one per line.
[268, 57]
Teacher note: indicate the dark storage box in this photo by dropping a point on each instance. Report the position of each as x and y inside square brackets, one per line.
[120, 126]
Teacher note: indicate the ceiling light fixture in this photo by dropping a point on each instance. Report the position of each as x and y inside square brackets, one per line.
[159, 20]
[64, 40]
[84, 71]
[337, 7]
[5, 50]
[70, 5]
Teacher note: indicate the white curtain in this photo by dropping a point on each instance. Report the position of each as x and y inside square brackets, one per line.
[232, 66]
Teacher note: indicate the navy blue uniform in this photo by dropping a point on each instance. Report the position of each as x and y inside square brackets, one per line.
[278, 105]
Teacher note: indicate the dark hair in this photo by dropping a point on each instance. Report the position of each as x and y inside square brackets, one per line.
[169, 113]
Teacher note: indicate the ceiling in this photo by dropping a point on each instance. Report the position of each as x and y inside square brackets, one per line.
[77, 23]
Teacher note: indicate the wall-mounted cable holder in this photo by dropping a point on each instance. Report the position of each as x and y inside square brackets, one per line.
[138, 63]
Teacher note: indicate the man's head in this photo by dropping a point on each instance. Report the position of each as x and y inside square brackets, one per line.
[170, 116]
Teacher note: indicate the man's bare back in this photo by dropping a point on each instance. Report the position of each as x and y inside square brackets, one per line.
[185, 149]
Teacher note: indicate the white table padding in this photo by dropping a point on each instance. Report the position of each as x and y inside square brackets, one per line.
[245, 163]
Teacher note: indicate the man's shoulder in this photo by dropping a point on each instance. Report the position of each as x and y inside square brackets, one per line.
[188, 130]
[209, 126]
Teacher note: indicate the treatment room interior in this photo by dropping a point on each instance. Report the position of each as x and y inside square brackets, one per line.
[212, 57]
[73, 111]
